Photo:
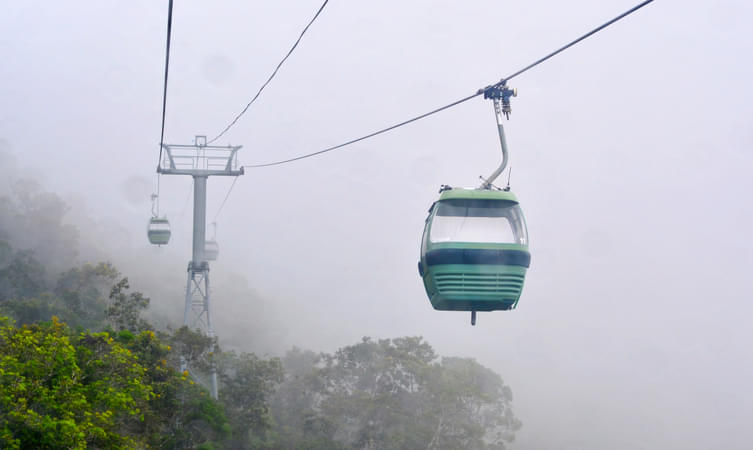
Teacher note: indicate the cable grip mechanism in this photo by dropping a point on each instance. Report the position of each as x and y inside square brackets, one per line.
[498, 92]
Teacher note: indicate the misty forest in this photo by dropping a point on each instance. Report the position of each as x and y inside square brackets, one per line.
[83, 366]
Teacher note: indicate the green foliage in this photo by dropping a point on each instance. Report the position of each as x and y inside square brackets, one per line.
[33, 229]
[61, 389]
[180, 414]
[64, 391]
[471, 406]
[77, 298]
[390, 394]
[194, 347]
[81, 292]
[20, 274]
[33, 310]
[124, 310]
[177, 413]
[247, 381]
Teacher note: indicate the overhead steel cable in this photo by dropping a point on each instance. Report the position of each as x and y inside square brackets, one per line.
[384, 130]
[565, 47]
[321, 8]
[167, 66]
[462, 100]
[164, 100]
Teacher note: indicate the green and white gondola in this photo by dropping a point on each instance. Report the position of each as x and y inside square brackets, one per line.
[474, 251]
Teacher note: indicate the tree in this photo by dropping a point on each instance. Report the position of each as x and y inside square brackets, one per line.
[181, 413]
[391, 394]
[246, 383]
[192, 347]
[124, 311]
[296, 423]
[471, 407]
[23, 287]
[62, 391]
[33, 219]
[77, 298]
[21, 275]
[82, 291]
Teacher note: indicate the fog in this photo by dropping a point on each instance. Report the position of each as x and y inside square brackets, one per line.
[630, 154]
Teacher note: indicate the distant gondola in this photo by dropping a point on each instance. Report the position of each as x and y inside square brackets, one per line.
[158, 231]
[211, 250]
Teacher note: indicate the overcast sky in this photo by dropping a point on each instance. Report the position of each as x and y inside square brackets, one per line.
[631, 155]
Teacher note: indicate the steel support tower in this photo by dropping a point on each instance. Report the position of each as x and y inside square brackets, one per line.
[200, 161]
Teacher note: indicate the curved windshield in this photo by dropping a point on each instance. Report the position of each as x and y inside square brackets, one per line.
[478, 220]
[159, 225]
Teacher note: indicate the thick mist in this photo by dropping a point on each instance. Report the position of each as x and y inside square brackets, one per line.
[630, 153]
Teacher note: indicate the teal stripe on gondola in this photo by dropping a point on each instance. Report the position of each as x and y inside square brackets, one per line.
[478, 256]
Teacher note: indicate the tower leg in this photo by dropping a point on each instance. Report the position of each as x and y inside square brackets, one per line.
[197, 315]
[187, 310]
[210, 333]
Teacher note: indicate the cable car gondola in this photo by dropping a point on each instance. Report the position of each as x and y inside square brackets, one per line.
[211, 250]
[474, 249]
[211, 247]
[158, 231]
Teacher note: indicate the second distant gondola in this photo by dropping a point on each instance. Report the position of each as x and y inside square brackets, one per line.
[158, 231]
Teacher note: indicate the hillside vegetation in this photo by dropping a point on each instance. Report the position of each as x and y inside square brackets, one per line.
[82, 366]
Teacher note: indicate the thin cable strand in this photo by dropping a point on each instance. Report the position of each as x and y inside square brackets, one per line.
[329, 149]
[463, 100]
[224, 201]
[565, 47]
[273, 73]
[164, 90]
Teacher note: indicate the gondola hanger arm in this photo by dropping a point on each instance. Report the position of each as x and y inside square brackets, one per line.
[500, 95]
